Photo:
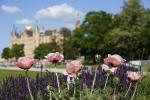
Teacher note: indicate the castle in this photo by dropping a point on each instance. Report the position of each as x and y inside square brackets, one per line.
[31, 38]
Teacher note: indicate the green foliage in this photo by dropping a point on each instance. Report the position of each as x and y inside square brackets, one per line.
[45, 48]
[68, 50]
[143, 92]
[146, 68]
[132, 17]
[6, 54]
[89, 37]
[133, 21]
[17, 50]
[66, 32]
[129, 36]
[146, 34]
[100, 33]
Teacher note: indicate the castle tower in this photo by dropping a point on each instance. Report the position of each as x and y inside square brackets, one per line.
[36, 36]
[13, 35]
[77, 25]
[14, 31]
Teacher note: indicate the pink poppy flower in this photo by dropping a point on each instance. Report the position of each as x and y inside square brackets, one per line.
[25, 62]
[105, 67]
[55, 57]
[114, 60]
[133, 76]
[113, 70]
[73, 67]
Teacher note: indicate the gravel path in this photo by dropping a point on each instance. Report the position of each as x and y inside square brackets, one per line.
[60, 70]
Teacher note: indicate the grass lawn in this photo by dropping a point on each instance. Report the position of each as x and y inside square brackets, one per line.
[146, 68]
[64, 65]
[7, 73]
[57, 66]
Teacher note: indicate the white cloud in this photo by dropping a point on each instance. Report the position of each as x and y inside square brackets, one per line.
[62, 12]
[24, 21]
[70, 25]
[10, 9]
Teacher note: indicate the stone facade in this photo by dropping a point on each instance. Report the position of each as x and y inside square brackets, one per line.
[31, 38]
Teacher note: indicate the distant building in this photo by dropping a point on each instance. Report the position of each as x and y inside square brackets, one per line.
[31, 38]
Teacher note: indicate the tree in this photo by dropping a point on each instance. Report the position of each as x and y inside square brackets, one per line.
[17, 50]
[133, 20]
[133, 17]
[127, 34]
[6, 54]
[118, 42]
[89, 37]
[66, 42]
[146, 36]
[45, 48]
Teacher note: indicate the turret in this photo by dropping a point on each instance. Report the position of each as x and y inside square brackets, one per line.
[37, 28]
[77, 25]
[14, 31]
[28, 30]
[28, 27]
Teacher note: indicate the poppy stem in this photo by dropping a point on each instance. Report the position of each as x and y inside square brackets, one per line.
[28, 85]
[134, 91]
[68, 86]
[114, 96]
[68, 82]
[107, 75]
[74, 92]
[128, 90]
[58, 83]
[50, 95]
[93, 82]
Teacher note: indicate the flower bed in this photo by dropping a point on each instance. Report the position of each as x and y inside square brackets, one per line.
[16, 87]
[113, 80]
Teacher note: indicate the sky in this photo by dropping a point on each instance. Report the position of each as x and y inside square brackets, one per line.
[50, 14]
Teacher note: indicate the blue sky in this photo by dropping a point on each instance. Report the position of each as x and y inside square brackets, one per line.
[49, 14]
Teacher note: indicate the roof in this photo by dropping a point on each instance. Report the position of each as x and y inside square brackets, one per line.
[29, 32]
[48, 33]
